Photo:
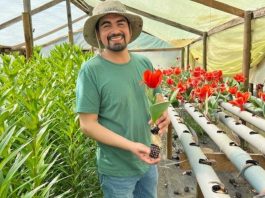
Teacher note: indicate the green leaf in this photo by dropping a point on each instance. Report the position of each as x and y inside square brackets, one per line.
[173, 96]
[157, 110]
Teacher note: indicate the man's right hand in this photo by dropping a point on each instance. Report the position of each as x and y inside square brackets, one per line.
[142, 152]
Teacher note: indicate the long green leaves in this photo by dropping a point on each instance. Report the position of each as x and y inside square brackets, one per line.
[42, 151]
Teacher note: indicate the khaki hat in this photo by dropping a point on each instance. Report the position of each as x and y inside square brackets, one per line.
[108, 7]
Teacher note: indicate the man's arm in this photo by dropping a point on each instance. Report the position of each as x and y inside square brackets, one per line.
[90, 127]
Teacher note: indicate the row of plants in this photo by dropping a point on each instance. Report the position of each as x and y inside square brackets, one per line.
[42, 151]
[208, 89]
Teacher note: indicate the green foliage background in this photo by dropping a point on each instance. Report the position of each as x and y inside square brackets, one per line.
[42, 151]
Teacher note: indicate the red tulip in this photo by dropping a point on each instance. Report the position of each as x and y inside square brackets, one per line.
[222, 88]
[232, 90]
[239, 78]
[177, 71]
[153, 79]
[244, 95]
[238, 102]
[170, 81]
[208, 76]
[262, 96]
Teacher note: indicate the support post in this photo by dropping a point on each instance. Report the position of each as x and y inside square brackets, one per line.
[182, 57]
[247, 47]
[251, 88]
[188, 57]
[204, 56]
[169, 141]
[27, 25]
[69, 19]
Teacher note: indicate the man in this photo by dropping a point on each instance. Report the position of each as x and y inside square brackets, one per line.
[113, 107]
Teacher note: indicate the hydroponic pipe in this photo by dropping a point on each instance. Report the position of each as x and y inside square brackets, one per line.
[246, 166]
[205, 175]
[254, 120]
[252, 137]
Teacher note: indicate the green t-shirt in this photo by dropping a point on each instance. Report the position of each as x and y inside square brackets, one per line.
[115, 93]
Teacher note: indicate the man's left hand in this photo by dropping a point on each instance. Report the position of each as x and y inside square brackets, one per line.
[163, 123]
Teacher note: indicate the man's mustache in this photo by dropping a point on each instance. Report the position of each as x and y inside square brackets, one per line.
[114, 35]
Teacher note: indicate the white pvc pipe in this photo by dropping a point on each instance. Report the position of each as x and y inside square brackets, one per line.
[252, 137]
[252, 119]
[205, 175]
[255, 175]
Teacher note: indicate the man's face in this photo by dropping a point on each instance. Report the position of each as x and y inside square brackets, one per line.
[114, 32]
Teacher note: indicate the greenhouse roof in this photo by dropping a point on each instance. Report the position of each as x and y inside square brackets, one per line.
[176, 22]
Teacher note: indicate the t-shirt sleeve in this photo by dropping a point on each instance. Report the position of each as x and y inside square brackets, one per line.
[87, 95]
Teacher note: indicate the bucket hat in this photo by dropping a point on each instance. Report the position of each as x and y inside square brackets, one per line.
[109, 7]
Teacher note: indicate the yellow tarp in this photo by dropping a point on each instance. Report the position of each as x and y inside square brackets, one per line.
[225, 49]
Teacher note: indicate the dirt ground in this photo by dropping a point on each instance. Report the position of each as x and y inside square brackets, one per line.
[175, 182]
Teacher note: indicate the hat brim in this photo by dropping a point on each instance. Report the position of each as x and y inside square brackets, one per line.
[89, 32]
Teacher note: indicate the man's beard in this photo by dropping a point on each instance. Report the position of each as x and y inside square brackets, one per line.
[116, 47]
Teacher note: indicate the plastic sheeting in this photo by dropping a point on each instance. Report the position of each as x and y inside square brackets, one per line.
[159, 59]
[225, 50]
[42, 22]
[185, 12]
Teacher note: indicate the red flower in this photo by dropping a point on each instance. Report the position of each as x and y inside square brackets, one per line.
[217, 75]
[232, 90]
[177, 71]
[182, 87]
[208, 76]
[168, 72]
[198, 71]
[202, 92]
[241, 99]
[170, 81]
[239, 78]
[262, 96]
[244, 95]
[238, 102]
[153, 79]
[222, 88]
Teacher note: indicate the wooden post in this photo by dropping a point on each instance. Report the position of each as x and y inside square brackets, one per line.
[251, 88]
[27, 24]
[69, 19]
[169, 141]
[204, 56]
[188, 57]
[182, 57]
[259, 89]
[247, 47]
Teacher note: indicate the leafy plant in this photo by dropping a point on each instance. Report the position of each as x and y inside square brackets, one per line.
[42, 151]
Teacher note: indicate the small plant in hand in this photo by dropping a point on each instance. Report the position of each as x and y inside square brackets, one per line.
[152, 80]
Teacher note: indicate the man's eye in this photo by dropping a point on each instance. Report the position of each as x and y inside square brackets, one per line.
[106, 26]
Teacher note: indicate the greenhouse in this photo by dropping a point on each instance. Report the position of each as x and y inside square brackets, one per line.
[73, 113]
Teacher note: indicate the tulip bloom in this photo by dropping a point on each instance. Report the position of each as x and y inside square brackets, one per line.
[244, 95]
[170, 81]
[239, 102]
[177, 71]
[262, 96]
[152, 79]
[239, 78]
[232, 90]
